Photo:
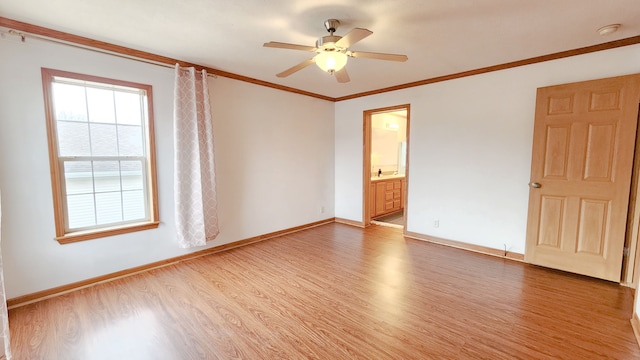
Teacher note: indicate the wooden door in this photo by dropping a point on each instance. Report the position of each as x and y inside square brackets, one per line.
[381, 192]
[397, 195]
[583, 149]
[372, 199]
[388, 196]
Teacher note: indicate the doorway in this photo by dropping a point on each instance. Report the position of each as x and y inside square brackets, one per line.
[386, 165]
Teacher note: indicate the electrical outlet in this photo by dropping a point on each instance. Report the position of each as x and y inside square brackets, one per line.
[436, 223]
[321, 209]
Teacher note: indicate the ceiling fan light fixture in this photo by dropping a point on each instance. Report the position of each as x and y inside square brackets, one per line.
[331, 61]
[332, 52]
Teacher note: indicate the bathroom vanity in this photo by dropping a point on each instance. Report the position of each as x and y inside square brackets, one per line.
[386, 194]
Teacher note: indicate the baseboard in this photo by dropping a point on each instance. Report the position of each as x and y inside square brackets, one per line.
[56, 291]
[464, 246]
[451, 243]
[635, 324]
[350, 222]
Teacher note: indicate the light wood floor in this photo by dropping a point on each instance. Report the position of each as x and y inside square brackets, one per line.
[334, 292]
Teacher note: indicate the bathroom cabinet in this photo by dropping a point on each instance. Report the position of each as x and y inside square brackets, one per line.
[387, 195]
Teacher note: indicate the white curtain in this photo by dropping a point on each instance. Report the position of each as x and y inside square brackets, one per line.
[5, 349]
[195, 185]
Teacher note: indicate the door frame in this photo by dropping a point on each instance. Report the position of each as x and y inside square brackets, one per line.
[630, 265]
[366, 167]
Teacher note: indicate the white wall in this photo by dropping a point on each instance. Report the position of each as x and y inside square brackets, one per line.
[281, 157]
[470, 147]
[274, 161]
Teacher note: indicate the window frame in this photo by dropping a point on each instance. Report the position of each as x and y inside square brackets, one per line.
[62, 234]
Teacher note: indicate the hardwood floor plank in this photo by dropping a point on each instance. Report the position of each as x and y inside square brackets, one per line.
[334, 292]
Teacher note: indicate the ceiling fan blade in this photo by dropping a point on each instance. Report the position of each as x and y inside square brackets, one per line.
[295, 68]
[280, 45]
[353, 37]
[342, 76]
[379, 56]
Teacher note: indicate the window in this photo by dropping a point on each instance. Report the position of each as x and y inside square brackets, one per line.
[101, 151]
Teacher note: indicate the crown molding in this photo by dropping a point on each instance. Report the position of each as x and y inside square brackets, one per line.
[534, 60]
[132, 53]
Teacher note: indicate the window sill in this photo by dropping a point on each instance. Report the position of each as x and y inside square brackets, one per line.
[94, 234]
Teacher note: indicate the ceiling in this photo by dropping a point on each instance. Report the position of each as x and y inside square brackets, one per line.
[440, 37]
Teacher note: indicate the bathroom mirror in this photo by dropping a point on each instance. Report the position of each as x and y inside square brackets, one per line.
[388, 143]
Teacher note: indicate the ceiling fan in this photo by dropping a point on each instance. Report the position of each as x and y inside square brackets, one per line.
[332, 52]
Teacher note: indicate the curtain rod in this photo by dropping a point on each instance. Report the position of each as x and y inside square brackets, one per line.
[25, 36]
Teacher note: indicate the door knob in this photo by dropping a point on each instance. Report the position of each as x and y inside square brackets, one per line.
[535, 185]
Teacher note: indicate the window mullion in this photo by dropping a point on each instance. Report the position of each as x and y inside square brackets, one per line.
[115, 119]
[94, 85]
[102, 158]
[93, 177]
[63, 186]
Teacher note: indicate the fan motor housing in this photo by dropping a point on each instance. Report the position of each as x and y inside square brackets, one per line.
[328, 42]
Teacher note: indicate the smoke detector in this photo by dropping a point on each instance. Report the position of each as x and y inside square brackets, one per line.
[609, 29]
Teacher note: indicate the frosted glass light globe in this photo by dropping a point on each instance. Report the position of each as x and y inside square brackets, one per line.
[331, 61]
